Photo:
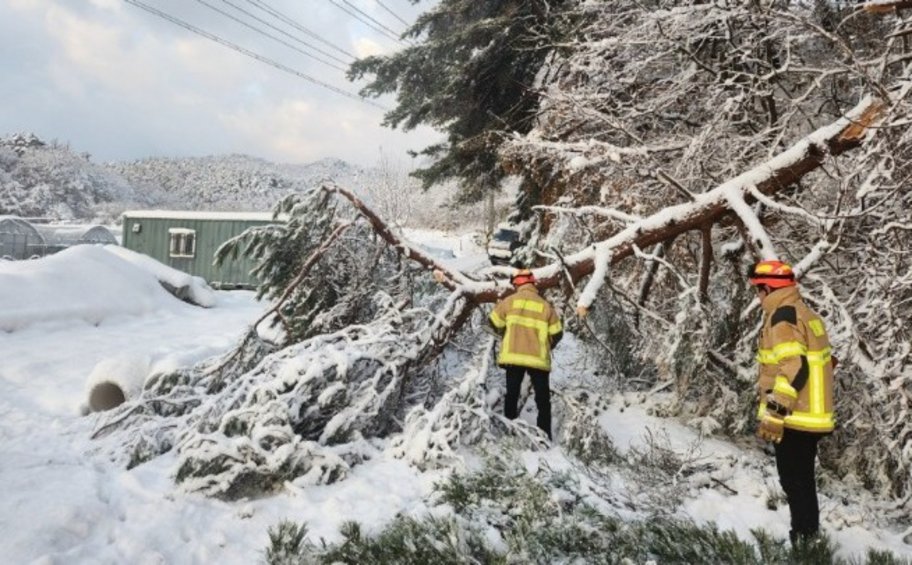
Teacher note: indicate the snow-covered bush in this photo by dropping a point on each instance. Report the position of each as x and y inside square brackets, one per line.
[286, 543]
[433, 436]
[353, 359]
[298, 413]
[334, 291]
[580, 434]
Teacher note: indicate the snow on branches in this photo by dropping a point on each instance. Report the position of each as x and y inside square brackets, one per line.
[726, 132]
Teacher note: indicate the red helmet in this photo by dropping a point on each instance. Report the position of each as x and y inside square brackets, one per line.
[774, 274]
[521, 277]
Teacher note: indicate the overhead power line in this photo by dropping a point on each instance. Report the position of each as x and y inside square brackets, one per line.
[394, 14]
[365, 19]
[269, 35]
[287, 20]
[283, 32]
[249, 53]
[376, 22]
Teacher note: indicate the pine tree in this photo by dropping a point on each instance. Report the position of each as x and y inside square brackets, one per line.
[472, 74]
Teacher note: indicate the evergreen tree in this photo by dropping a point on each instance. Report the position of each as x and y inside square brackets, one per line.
[471, 72]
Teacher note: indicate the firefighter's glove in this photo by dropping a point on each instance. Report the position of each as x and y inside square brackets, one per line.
[771, 427]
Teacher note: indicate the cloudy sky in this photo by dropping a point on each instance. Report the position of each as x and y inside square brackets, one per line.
[120, 83]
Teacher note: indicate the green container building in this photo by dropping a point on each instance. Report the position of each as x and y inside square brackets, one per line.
[188, 240]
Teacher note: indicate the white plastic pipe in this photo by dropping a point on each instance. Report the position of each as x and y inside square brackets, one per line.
[115, 380]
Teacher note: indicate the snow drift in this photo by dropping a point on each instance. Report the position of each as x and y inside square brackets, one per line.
[86, 283]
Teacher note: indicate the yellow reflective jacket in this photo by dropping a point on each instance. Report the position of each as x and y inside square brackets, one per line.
[795, 362]
[530, 326]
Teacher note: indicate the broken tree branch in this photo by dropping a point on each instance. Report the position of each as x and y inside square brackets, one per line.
[451, 279]
[884, 6]
[707, 208]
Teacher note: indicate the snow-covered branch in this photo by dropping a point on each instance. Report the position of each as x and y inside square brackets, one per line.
[768, 177]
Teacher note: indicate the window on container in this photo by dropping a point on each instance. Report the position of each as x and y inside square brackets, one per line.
[183, 242]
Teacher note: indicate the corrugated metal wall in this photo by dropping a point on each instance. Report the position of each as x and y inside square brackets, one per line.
[154, 239]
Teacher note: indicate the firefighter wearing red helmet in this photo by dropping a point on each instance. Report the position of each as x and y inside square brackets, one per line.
[795, 388]
[531, 329]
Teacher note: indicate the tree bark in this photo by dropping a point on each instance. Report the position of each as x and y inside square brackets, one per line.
[706, 263]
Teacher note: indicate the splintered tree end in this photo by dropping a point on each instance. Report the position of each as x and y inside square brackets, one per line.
[885, 7]
[857, 129]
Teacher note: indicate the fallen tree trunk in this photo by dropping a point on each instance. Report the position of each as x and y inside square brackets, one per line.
[707, 209]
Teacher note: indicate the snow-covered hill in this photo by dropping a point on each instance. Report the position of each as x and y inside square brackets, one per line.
[50, 179]
[233, 182]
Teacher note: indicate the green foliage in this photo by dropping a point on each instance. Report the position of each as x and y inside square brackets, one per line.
[540, 520]
[472, 73]
[405, 540]
[616, 343]
[501, 479]
[587, 442]
[337, 289]
[875, 557]
[302, 224]
[543, 521]
[146, 450]
[286, 543]
[411, 541]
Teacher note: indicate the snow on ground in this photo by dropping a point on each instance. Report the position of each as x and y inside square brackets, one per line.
[62, 502]
[193, 288]
[750, 472]
[459, 252]
[82, 283]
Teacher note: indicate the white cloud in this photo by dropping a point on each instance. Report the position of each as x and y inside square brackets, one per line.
[296, 130]
[112, 5]
[121, 83]
[365, 47]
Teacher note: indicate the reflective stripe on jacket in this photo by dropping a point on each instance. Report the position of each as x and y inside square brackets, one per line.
[530, 327]
[795, 361]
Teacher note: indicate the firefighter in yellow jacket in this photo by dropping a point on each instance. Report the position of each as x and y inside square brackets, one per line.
[796, 389]
[530, 329]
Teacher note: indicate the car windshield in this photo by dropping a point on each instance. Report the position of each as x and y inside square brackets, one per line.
[506, 235]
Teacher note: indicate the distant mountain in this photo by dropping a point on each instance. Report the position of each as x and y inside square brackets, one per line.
[233, 182]
[40, 179]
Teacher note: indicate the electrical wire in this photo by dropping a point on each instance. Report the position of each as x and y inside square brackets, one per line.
[378, 23]
[249, 53]
[269, 35]
[365, 19]
[287, 20]
[285, 33]
[394, 14]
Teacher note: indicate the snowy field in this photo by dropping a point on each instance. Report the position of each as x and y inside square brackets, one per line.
[63, 502]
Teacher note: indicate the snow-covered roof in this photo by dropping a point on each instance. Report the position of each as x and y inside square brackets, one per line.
[197, 215]
[15, 224]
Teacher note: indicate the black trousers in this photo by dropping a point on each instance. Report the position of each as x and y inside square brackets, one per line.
[542, 388]
[795, 456]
